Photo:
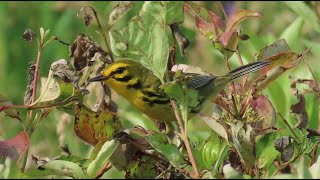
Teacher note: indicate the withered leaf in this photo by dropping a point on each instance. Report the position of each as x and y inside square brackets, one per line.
[87, 14]
[28, 94]
[182, 41]
[28, 35]
[300, 108]
[93, 127]
[83, 49]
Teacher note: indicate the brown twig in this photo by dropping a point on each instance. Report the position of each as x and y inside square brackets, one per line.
[103, 170]
[28, 107]
[185, 140]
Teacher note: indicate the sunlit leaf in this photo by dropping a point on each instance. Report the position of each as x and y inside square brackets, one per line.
[265, 150]
[102, 158]
[64, 168]
[119, 11]
[49, 90]
[165, 12]
[143, 40]
[215, 126]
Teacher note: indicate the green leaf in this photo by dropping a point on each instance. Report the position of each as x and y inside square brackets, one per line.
[4, 101]
[143, 40]
[302, 169]
[215, 126]
[165, 12]
[305, 12]
[241, 137]
[265, 151]
[102, 158]
[160, 143]
[49, 90]
[64, 168]
[175, 13]
[292, 33]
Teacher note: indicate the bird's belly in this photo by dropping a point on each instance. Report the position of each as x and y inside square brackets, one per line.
[160, 112]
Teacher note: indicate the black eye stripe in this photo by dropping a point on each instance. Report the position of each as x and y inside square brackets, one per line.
[119, 70]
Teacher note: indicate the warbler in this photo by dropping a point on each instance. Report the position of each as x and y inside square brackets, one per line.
[141, 87]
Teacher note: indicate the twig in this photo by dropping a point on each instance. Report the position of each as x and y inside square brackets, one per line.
[103, 170]
[28, 107]
[184, 138]
[222, 9]
[34, 93]
[288, 125]
[105, 38]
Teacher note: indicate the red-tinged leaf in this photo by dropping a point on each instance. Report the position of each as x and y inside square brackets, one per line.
[229, 40]
[300, 108]
[217, 21]
[265, 109]
[239, 16]
[16, 146]
[204, 28]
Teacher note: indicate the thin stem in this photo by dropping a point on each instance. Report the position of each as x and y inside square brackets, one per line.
[34, 93]
[288, 125]
[28, 107]
[105, 38]
[222, 9]
[184, 138]
[235, 107]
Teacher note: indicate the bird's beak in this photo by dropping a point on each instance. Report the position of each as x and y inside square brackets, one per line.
[98, 78]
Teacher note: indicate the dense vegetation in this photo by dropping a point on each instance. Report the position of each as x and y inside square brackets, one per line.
[54, 122]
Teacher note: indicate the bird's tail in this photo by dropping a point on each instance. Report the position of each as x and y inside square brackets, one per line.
[246, 69]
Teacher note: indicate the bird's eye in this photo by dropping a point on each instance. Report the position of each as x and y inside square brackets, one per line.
[120, 70]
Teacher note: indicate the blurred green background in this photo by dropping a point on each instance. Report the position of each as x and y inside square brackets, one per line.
[291, 21]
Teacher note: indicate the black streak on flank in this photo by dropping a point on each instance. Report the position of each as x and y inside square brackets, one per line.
[123, 79]
[151, 102]
[137, 85]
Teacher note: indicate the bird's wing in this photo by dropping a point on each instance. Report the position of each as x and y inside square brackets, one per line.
[198, 81]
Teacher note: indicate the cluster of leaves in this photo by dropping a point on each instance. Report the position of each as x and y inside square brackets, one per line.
[244, 140]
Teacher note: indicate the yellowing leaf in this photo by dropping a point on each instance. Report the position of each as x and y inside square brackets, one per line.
[93, 127]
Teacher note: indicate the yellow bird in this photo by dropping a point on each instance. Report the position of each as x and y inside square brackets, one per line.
[141, 87]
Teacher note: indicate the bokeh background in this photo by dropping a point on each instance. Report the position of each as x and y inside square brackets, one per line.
[279, 20]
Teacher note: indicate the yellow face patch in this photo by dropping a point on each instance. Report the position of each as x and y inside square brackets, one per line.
[115, 69]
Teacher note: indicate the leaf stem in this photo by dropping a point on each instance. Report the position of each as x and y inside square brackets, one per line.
[184, 138]
[105, 38]
[288, 125]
